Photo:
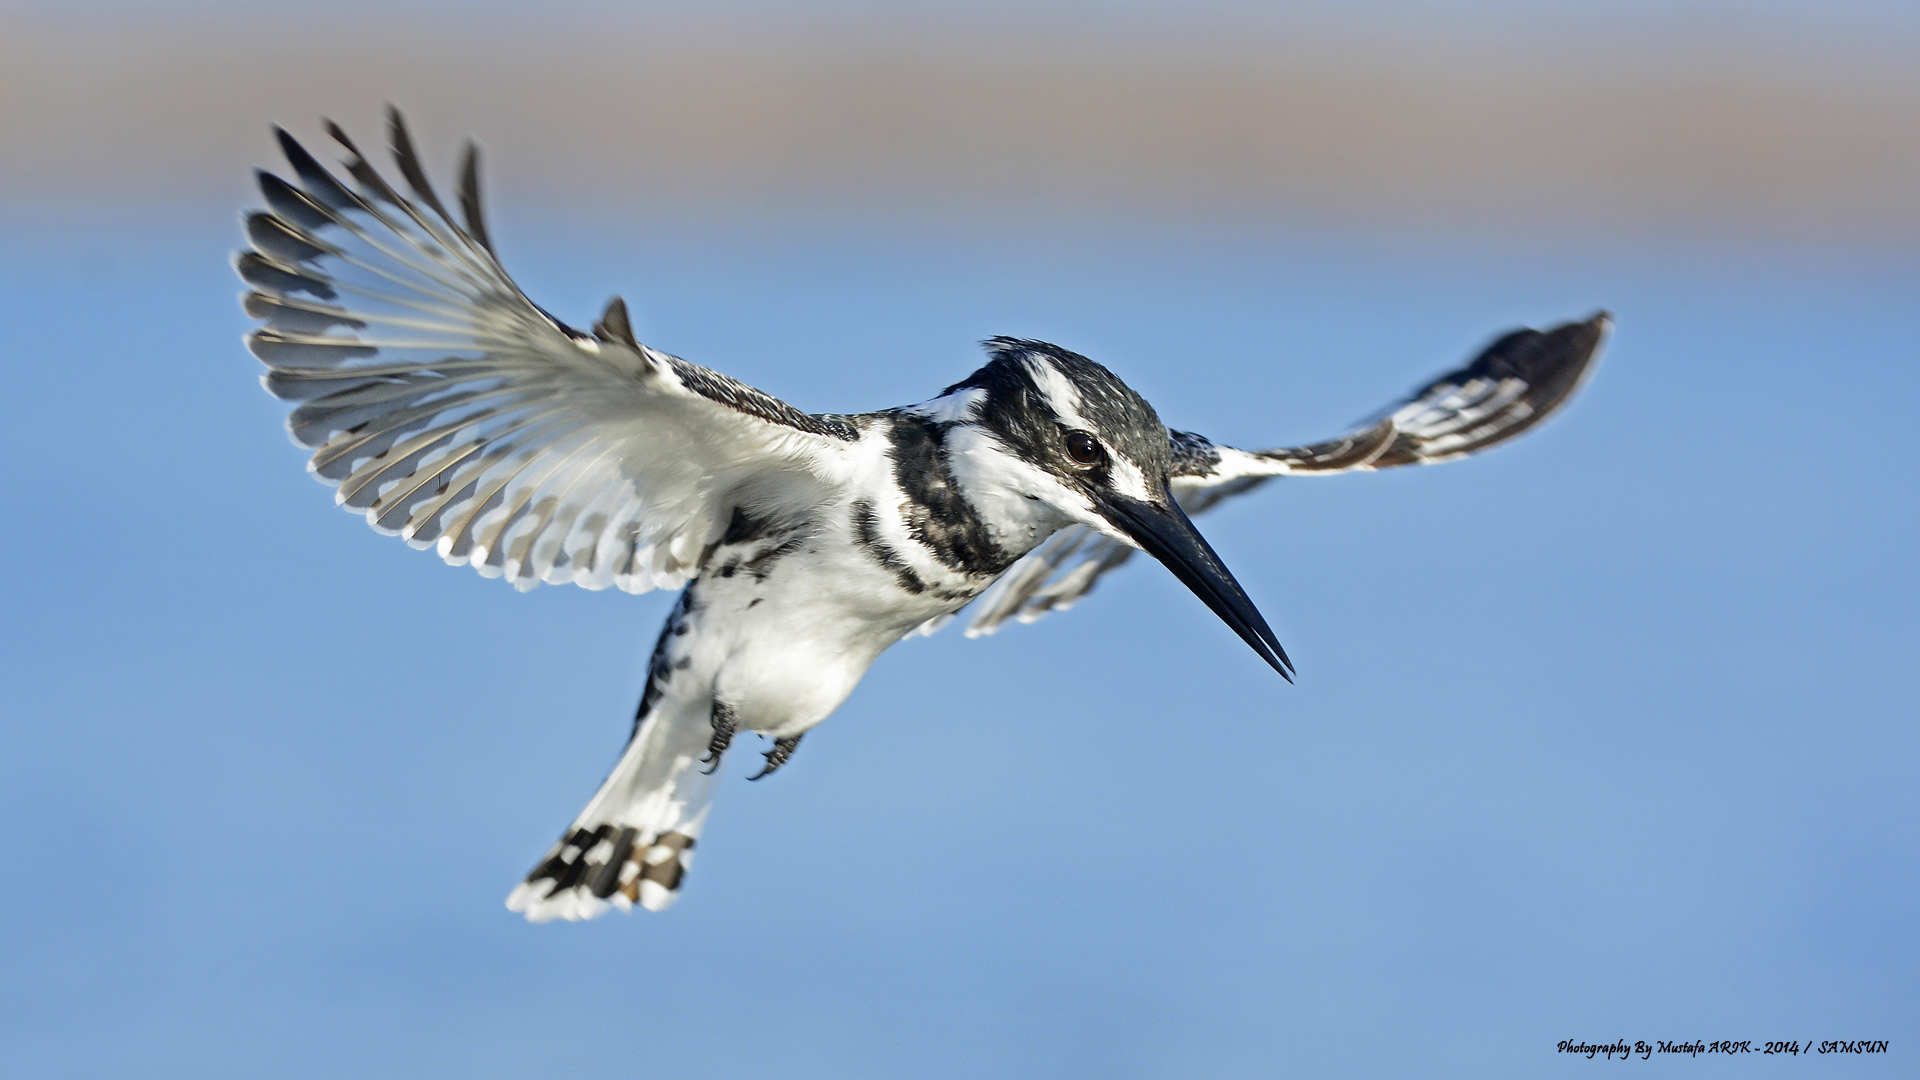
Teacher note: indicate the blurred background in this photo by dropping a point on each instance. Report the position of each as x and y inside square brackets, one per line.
[1605, 735]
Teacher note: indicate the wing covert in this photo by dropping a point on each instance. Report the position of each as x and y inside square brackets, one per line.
[451, 410]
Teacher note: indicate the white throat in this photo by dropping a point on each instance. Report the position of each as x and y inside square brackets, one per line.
[1021, 504]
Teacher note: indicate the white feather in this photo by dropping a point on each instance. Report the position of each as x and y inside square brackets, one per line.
[450, 410]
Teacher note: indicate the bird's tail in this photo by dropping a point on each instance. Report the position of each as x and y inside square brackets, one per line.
[634, 841]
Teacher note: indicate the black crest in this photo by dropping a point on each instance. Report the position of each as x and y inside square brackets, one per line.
[1017, 408]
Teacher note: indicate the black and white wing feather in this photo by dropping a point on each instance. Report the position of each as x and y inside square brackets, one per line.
[453, 411]
[1515, 383]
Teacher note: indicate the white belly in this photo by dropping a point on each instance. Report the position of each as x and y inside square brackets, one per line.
[785, 647]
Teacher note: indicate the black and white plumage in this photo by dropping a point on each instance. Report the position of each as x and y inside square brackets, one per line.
[1515, 383]
[451, 410]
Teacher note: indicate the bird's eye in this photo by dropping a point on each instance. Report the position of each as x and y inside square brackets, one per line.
[1083, 448]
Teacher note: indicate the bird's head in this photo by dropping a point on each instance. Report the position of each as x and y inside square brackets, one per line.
[1052, 427]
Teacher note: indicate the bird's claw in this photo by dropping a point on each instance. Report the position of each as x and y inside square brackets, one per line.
[778, 756]
[722, 719]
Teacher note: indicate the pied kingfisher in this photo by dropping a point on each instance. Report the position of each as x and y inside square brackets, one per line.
[452, 410]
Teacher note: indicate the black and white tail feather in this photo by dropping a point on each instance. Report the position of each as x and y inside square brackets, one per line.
[449, 409]
[633, 843]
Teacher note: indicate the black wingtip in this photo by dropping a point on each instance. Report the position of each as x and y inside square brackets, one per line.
[318, 182]
[614, 325]
[408, 159]
[362, 170]
[296, 153]
[290, 202]
[339, 135]
[1575, 348]
[470, 197]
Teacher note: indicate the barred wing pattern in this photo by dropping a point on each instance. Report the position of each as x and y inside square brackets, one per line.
[452, 411]
[1516, 382]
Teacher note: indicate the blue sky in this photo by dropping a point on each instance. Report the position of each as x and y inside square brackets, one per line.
[1605, 734]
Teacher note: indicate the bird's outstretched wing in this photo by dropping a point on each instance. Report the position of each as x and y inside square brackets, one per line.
[453, 411]
[1513, 384]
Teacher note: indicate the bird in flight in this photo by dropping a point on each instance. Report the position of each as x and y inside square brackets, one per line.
[454, 412]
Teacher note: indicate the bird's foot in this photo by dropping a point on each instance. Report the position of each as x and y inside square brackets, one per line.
[778, 756]
[722, 734]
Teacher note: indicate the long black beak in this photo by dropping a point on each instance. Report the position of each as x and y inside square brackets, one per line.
[1164, 532]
